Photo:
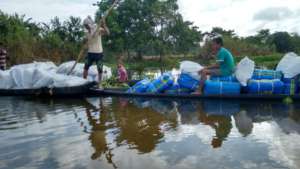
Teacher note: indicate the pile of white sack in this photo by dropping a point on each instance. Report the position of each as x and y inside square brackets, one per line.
[78, 71]
[289, 65]
[45, 74]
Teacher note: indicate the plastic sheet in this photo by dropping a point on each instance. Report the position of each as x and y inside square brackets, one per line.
[6, 82]
[22, 77]
[244, 71]
[37, 75]
[139, 87]
[289, 65]
[41, 79]
[161, 84]
[67, 81]
[191, 68]
[65, 68]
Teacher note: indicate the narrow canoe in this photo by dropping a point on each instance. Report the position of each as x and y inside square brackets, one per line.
[77, 91]
[122, 92]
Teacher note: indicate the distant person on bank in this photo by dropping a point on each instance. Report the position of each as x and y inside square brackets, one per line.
[3, 57]
[95, 50]
[122, 73]
[225, 65]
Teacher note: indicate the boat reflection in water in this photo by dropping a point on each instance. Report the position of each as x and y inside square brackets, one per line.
[171, 127]
[148, 133]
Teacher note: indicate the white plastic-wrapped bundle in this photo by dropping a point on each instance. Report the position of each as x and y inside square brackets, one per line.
[244, 70]
[42, 78]
[65, 68]
[78, 71]
[37, 75]
[22, 77]
[6, 82]
[289, 65]
[191, 68]
[60, 80]
[48, 66]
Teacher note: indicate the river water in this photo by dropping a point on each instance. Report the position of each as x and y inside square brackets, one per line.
[155, 134]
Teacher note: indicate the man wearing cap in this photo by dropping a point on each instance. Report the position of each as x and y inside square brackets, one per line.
[3, 57]
[95, 50]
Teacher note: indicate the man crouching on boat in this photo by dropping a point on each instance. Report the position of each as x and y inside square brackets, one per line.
[225, 63]
[95, 50]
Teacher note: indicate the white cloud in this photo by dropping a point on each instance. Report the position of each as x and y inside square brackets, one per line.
[229, 14]
[273, 14]
[238, 14]
[44, 10]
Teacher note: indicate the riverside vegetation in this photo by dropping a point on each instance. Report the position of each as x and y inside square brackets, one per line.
[138, 29]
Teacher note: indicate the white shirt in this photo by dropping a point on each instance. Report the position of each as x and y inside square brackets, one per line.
[94, 42]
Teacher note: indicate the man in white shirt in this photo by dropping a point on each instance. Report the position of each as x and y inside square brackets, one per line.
[95, 50]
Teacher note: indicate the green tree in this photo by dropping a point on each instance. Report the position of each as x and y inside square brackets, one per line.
[283, 42]
[148, 27]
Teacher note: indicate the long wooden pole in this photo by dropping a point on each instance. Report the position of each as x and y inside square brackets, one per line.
[81, 53]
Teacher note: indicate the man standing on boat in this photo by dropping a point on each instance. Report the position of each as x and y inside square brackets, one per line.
[95, 50]
[225, 63]
[3, 57]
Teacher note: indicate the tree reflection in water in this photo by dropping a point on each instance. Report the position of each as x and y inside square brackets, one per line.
[99, 127]
[140, 124]
[140, 128]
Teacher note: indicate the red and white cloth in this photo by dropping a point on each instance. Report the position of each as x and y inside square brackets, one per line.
[3, 57]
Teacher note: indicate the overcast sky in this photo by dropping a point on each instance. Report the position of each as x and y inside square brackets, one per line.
[246, 17]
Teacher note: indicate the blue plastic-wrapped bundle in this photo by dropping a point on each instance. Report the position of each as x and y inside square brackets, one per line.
[290, 85]
[275, 86]
[219, 88]
[139, 87]
[290, 89]
[187, 82]
[161, 84]
[231, 78]
[176, 89]
[260, 74]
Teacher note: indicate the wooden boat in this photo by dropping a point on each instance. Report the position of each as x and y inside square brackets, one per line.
[76, 91]
[122, 92]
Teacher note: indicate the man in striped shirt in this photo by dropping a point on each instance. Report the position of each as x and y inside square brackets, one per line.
[3, 57]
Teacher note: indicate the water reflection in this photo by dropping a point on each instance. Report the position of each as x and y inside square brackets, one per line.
[148, 133]
[98, 119]
[142, 124]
